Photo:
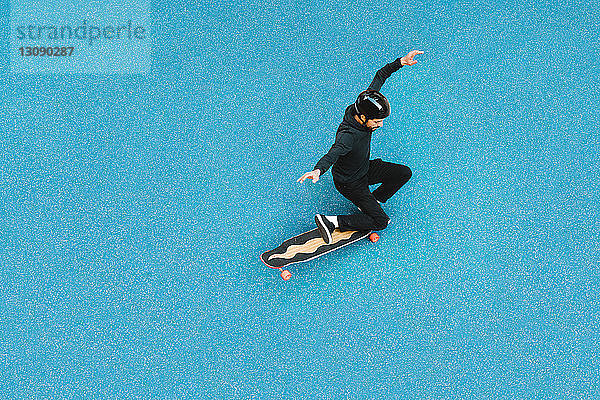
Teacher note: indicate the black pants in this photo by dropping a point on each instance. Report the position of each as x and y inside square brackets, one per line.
[391, 176]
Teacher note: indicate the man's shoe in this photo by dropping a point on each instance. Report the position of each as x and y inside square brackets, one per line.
[326, 227]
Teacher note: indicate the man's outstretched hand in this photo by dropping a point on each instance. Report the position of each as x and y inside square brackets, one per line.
[314, 175]
[409, 58]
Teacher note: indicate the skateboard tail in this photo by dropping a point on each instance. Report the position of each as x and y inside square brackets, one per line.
[285, 274]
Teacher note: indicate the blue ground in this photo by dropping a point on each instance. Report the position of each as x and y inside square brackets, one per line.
[134, 208]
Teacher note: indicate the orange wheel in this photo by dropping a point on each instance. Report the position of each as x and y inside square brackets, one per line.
[286, 275]
[373, 237]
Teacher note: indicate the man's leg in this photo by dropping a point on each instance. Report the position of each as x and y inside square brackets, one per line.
[372, 217]
[391, 176]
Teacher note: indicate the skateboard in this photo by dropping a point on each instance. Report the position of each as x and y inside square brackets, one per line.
[308, 246]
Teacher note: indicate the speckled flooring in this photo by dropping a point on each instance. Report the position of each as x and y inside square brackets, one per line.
[134, 208]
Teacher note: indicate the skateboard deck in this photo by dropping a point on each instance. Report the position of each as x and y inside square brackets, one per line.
[308, 246]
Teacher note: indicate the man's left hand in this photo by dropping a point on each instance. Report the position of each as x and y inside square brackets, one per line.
[409, 58]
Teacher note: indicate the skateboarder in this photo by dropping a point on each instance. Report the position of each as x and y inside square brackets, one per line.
[352, 170]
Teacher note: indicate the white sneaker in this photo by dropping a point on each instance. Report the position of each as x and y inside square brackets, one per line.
[325, 227]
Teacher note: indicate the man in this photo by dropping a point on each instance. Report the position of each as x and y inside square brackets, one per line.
[352, 170]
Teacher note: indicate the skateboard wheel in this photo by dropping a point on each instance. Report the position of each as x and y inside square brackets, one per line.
[286, 275]
[373, 237]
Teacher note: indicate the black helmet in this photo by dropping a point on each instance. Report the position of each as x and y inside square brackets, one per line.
[372, 105]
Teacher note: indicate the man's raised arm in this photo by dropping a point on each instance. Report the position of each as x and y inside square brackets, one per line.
[389, 69]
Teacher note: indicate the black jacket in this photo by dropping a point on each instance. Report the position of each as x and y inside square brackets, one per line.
[350, 153]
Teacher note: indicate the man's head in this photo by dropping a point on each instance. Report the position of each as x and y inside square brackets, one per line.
[371, 107]
[372, 124]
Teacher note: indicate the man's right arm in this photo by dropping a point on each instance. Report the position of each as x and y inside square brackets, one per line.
[342, 146]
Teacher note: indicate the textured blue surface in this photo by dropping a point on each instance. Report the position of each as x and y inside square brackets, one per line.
[133, 209]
